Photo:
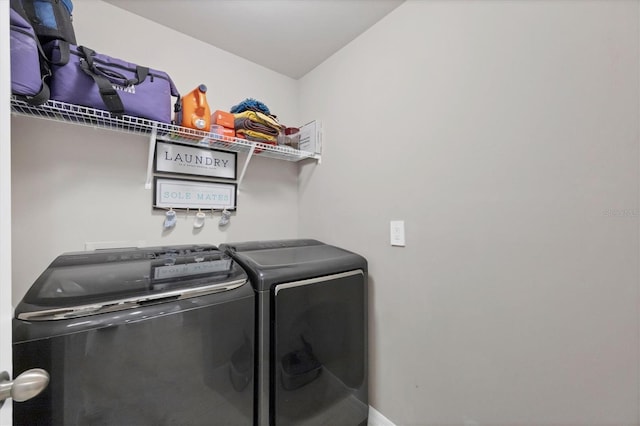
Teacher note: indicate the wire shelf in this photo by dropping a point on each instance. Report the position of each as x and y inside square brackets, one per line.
[90, 117]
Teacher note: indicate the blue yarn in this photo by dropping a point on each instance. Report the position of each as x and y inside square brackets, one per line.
[250, 104]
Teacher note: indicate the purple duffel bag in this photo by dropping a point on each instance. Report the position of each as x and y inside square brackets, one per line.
[81, 76]
[28, 65]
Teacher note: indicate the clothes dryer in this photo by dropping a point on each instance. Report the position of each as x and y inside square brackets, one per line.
[153, 336]
[311, 331]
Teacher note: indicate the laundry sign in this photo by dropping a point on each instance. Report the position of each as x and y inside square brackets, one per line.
[184, 159]
[192, 194]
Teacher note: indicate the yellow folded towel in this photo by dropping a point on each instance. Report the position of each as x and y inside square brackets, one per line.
[260, 118]
[259, 135]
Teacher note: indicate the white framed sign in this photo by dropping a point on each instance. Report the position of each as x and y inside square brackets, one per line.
[193, 194]
[190, 160]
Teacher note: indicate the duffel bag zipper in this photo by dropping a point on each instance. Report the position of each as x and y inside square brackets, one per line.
[151, 75]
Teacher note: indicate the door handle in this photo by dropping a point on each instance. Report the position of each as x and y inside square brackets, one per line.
[27, 385]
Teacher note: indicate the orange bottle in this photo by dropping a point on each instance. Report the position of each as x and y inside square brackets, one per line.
[194, 112]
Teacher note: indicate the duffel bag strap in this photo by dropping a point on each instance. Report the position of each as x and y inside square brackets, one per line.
[64, 51]
[141, 75]
[108, 94]
[141, 72]
[39, 98]
[88, 55]
[120, 79]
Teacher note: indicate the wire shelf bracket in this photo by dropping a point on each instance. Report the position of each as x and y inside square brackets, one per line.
[152, 150]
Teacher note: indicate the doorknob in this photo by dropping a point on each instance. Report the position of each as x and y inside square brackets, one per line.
[27, 385]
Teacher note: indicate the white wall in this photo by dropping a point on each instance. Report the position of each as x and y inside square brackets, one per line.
[6, 312]
[505, 134]
[73, 185]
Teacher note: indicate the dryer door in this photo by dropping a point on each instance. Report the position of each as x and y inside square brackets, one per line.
[319, 369]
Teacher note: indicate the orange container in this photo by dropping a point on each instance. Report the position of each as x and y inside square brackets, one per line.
[228, 132]
[194, 112]
[224, 119]
[225, 132]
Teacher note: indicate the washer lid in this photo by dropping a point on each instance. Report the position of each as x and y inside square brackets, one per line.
[94, 282]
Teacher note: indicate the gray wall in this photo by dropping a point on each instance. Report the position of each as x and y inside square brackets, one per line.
[72, 185]
[505, 134]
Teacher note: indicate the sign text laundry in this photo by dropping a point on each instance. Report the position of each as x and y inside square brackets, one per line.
[196, 159]
[183, 159]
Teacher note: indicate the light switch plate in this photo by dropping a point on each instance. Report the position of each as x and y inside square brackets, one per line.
[397, 233]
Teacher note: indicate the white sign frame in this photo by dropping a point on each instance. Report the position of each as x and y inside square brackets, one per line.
[193, 194]
[196, 161]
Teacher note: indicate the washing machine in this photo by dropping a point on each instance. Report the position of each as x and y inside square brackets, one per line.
[146, 336]
[311, 331]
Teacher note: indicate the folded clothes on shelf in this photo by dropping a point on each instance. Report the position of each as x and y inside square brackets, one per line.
[254, 122]
[256, 137]
[257, 117]
[256, 126]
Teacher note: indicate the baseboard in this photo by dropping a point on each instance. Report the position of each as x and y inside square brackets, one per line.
[377, 419]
